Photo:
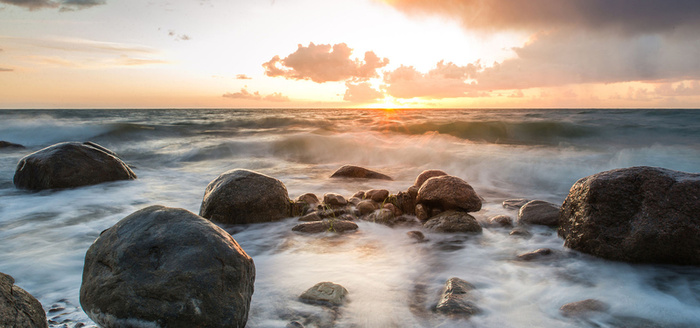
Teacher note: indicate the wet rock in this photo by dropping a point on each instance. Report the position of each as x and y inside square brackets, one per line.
[413, 192]
[456, 299]
[326, 293]
[520, 232]
[367, 206]
[18, 308]
[501, 221]
[448, 193]
[166, 267]
[328, 225]
[10, 145]
[515, 204]
[294, 324]
[377, 195]
[417, 235]
[242, 196]
[313, 216]
[539, 212]
[70, 165]
[360, 194]
[404, 221]
[381, 216]
[637, 214]
[453, 221]
[404, 202]
[535, 255]
[583, 308]
[421, 212]
[393, 209]
[308, 198]
[352, 171]
[333, 199]
[354, 201]
[304, 203]
[427, 174]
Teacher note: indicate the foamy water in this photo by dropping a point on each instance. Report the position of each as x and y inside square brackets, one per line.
[393, 282]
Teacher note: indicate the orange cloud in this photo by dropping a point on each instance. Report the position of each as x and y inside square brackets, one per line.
[361, 93]
[325, 63]
[246, 95]
[444, 81]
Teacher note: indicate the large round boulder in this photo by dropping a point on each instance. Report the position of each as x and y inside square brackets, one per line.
[637, 214]
[166, 267]
[243, 196]
[357, 172]
[427, 174]
[448, 193]
[19, 309]
[70, 165]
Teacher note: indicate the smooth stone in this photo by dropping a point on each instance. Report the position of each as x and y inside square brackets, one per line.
[313, 216]
[166, 267]
[449, 193]
[367, 206]
[325, 293]
[501, 221]
[453, 221]
[333, 199]
[515, 204]
[539, 212]
[18, 308]
[328, 225]
[377, 195]
[7, 144]
[421, 212]
[242, 196]
[583, 308]
[382, 216]
[427, 174]
[70, 165]
[520, 232]
[393, 209]
[417, 235]
[352, 171]
[534, 255]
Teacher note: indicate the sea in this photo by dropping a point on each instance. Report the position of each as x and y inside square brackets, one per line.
[393, 281]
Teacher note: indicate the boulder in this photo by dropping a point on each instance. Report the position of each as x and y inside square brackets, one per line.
[326, 293]
[166, 267]
[539, 212]
[329, 225]
[448, 193]
[7, 144]
[515, 204]
[367, 206]
[453, 221]
[501, 221]
[333, 199]
[18, 308]
[427, 174]
[456, 299]
[70, 165]
[352, 171]
[637, 214]
[377, 195]
[583, 308]
[243, 196]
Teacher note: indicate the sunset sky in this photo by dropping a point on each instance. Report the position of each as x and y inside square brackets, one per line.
[349, 53]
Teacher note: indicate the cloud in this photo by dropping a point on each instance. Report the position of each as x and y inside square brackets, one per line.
[361, 93]
[243, 77]
[246, 95]
[62, 5]
[627, 16]
[325, 63]
[680, 90]
[3, 69]
[444, 81]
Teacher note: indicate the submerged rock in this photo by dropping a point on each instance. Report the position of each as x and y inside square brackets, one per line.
[243, 196]
[18, 308]
[329, 225]
[501, 221]
[535, 255]
[453, 221]
[539, 212]
[326, 293]
[456, 299]
[515, 204]
[7, 144]
[166, 267]
[352, 171]
[583, 308]
[70, 165]
[304, 203]
[637, 214]
[416, 235]
[449, 193]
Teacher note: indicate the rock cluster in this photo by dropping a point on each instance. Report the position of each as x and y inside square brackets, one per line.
[166, 267]
[70, 165]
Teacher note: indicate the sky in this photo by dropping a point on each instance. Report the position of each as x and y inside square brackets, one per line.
[349, 53]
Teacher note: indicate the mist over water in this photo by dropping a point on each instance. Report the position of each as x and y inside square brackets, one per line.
[393, 282]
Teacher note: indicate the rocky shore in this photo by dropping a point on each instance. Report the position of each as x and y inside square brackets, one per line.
[168, 267]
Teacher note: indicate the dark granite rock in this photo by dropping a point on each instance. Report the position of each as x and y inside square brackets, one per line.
[453, 221]
[325, 293]
[637, 214]
[166, 267]
[19, 309]
[243, 196]
[456, 299]
[10, 145]
[352, 171]
[70, 165]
